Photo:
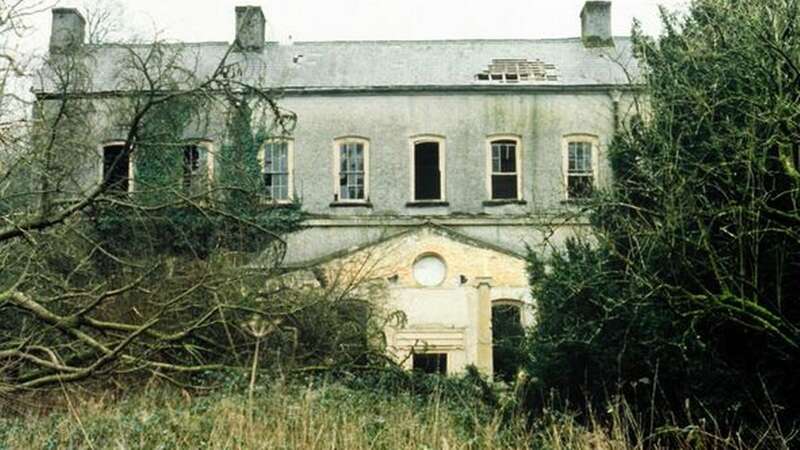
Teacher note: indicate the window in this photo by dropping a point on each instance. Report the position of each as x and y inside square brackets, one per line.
[276, 169]
[504, 181]
[507, 337]
[580, 163]
[427, 165]
[191, 165]
[429, 270]
[351, 163]
[116, 168]
[197, 167]
[433, 363]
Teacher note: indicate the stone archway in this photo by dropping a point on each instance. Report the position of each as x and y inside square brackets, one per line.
[507, 336]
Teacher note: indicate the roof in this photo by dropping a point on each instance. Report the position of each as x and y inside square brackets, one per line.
[349, 65]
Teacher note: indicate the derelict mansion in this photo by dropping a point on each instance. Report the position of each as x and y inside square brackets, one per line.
[451, 157]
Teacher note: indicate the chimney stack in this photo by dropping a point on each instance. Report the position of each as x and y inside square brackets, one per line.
[596, 24]
[250, 28]
[69, 29]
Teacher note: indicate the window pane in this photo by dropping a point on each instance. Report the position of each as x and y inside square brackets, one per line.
[504, 157]
[580, 157]
[504, 187]
[579, 186]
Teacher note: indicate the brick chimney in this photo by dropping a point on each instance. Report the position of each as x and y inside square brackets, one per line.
[69, 29]
[596, 24]
[250, 28]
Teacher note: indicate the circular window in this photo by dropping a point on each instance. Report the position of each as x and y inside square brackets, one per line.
[430, 270]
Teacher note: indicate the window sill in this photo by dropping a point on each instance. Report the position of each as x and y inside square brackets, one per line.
[427, 204]
[504, 202]
[350, 205]
[277, 204]
[576, 201]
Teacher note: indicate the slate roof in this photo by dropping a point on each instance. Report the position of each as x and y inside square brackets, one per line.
[348, 65]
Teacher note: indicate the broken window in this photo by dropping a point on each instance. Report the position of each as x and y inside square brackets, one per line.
[427, 171]
[191, 166]
[504, 176]
[507, 337]
[580, 170]
[352, 156]
[517, 70]
[432, 363]
[276, 170]
[116, 168]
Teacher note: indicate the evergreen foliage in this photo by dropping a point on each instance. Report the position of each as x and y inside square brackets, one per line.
[687, 303]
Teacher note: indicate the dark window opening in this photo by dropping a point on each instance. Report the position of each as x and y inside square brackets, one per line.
[432, 363]
[504, 187]
[504, 170]
[427, 176]
[507, 337]
[191, 165]
[579, 186]
[116, 166]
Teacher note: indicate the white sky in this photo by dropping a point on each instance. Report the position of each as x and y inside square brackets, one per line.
[307, 20]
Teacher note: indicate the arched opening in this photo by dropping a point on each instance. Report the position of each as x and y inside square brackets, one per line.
[507, 338]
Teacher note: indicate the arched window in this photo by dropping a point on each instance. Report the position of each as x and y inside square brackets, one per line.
[504, 168]
[428, 169]
[351, 170]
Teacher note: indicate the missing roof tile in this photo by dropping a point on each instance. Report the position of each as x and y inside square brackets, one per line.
[518, 70]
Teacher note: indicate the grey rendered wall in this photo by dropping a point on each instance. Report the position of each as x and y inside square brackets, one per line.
[465, 120]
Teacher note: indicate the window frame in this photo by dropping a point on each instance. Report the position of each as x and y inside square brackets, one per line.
[441, 141]
[204, 147]
[568, 139]
[490, 140]
[337, 143]
[289, 167]
[131, 165]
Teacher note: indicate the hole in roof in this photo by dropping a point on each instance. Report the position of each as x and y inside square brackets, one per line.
[516, 70]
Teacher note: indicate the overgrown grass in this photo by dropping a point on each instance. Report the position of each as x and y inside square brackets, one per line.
[332, 415]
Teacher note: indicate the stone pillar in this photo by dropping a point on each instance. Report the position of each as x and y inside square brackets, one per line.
[484, 314]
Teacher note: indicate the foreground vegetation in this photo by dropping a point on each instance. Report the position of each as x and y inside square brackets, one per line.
[393, 411]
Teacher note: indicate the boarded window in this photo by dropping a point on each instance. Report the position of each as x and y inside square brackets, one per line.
[116, 167]
[580, 172]
[276, 170]
[504, 170]
[351, 171]
[433, 363]
[427, 175]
